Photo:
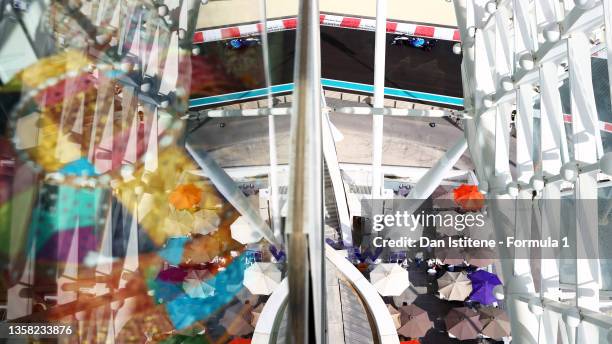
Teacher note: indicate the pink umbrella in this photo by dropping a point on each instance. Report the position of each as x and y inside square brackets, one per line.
[463, 323]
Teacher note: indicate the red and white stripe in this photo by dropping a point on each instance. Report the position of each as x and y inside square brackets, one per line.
[603, 126]
[427, 31]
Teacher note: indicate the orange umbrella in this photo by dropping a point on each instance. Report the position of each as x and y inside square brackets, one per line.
[239, 340]
[414, 341]
[186, 196]
[468, 197]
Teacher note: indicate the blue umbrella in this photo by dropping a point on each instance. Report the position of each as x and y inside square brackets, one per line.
[173, 251]
[483, 283]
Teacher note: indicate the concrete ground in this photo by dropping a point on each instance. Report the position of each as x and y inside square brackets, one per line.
[231, 12]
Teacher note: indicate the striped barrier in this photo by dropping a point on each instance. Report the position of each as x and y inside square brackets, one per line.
[427, 31]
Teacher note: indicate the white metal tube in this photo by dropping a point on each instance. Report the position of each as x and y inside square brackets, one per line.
[226, 186]
[430, 181]
[379, 96]
[273, 182]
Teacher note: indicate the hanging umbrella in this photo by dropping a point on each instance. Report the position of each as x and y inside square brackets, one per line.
[183, 339]
[495, 322]
[256, 312]
[454, 286]
[237, 320]
[483, 283]
[195, 286]
[395, 315]
[172, 274]
[262, 278]
[463, 323]
[239, 340]
[172, 252]
[243, 232]
[480, 256]
[415, 321]
[389, 279]
[468, 197]
[205, 221]
[245, 296]
[449, 255]
[186, 196]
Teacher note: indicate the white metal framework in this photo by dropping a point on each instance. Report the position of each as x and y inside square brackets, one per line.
[510, 49]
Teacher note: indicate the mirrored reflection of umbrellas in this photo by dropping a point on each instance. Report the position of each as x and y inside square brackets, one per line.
[195, 285]
[256, 312]
[205, 221]
[496, 323]
[415, 322]
[454, 286]
[262, 278]
[447, 230]
[245, 296]
[243, 232]
[395, 315]
[480, 256]
[483, 283]
[237, 320]
[463, 323]
[389, 279]
[449, 255]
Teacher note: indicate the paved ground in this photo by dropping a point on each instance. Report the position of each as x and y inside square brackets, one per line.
[407, 141]
[224, 13]
[346, 55]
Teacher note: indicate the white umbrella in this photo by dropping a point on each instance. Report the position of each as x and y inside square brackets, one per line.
[205, 221]
[262, 278]
[454, 286]
[196, 288]
[389, 279]
[243, 232]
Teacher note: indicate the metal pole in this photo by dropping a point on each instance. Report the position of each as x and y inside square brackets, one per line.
[226, 186]
[305, 204]
[430, 181]
[379, 96]
[274, 205]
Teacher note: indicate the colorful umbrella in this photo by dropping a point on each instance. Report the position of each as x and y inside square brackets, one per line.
[183, 339]
[196, 286]
[185, 196]
[237, 320]
[239, 340]
[389, 279]
[468, 197]
[262, 278]
[413, 341]
[463, 323]
[205, 221]
[243, 232]
[454, 286]
[496, 323]
[415, 322]
[172, 275]
[395, 315]
[172, 252]
[256, 312]
[483, 283]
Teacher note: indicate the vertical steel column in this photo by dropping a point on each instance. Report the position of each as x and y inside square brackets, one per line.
[587, 150]
[305, 204]
[379, 96]
[273, 174]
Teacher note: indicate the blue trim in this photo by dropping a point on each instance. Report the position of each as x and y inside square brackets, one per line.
[344, 85]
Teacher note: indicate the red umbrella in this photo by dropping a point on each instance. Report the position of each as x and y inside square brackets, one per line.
[468, 197]
[239, 340]
[414, 341]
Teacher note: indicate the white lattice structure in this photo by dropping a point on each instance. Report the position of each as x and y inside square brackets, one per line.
[515, 53]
